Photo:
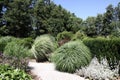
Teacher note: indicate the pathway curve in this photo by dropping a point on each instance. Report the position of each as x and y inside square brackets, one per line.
[46, 71]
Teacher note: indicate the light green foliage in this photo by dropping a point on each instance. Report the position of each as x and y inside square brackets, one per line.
[43, 46]
[79, 35]
[16, 50]
[9, 73]
[71, 56]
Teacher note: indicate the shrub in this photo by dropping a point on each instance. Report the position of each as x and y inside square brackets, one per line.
[71, 56]
[104, 47]
[64, 34]
[64, 37]
[98, 70]
[43, 46]
[9, 73]
[4, 41]
[26, 42]
[79, 35]
[16, 50]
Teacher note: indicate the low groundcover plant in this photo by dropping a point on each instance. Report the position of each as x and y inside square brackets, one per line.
[98, 70]
[9, 73]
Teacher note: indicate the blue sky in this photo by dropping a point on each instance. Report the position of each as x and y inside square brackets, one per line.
[85, 8]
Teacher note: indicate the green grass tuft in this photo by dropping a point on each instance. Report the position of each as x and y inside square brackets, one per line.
[71, 56]
[43, 46]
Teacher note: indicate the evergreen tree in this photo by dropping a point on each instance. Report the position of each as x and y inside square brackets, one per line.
[18, 18]
[90, 28]
[99, 24]
[107, 19]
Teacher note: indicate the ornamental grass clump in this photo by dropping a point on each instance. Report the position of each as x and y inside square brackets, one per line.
[99, 70]
[43, 46]
[71, 56]
[15, 50]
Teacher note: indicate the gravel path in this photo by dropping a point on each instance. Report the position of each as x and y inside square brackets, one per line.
[46, 71]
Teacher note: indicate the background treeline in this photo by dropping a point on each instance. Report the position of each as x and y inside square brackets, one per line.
[104, 24]
[25, 18]
[30, 18]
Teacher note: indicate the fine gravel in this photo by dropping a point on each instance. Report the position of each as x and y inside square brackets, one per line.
[46, 71]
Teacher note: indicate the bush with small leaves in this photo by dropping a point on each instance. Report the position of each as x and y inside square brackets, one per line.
[79, 35]
[64, 37]
[71, 56]
[64, 34]
[43, 46]
[104, 47]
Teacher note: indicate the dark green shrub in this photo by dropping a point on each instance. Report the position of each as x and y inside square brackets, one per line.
[71, 56]
[4, 41]
[43, 46]
[64, 37]
[16, 50]
[104, 47]
[9, 73]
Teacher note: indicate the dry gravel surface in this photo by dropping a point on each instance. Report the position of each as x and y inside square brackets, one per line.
[46, 71]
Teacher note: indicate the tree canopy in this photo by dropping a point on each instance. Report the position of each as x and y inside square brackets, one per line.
[30, 18]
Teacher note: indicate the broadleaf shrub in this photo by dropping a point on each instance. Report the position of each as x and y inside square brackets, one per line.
[104, 47]
[79, 35]
[9, 73]
[43, 46]
[71, 56]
